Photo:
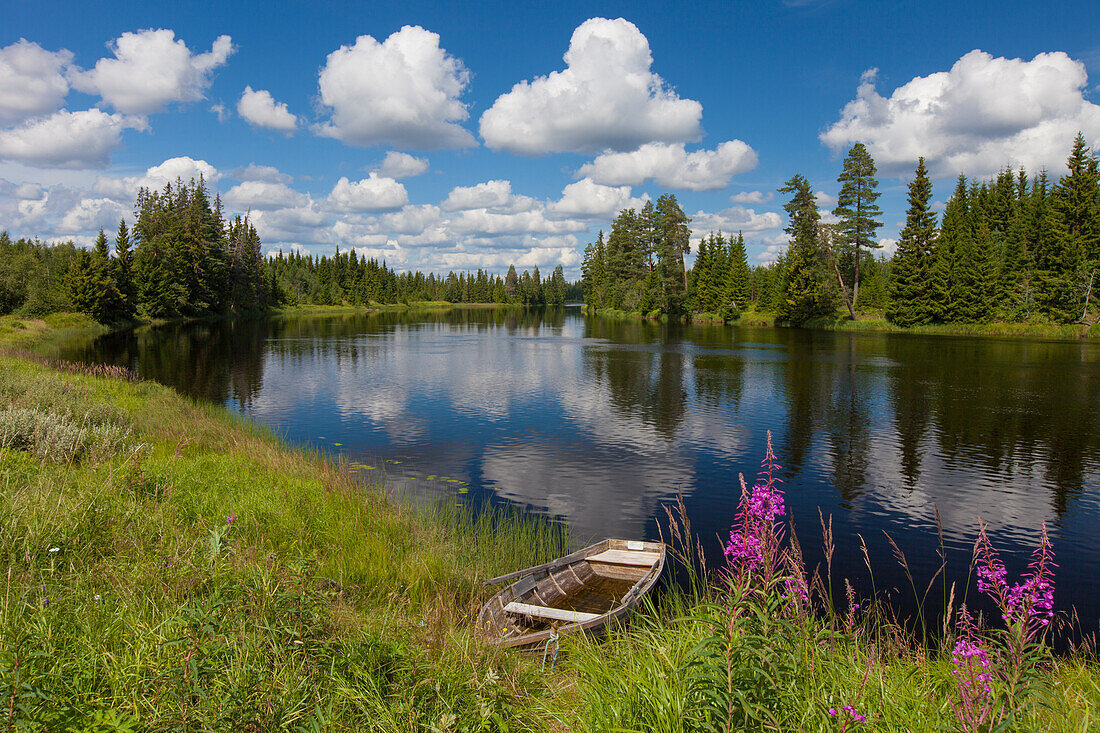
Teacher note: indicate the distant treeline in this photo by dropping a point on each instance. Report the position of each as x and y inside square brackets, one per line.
[348, 278]
[1015, 248]
[183, 258]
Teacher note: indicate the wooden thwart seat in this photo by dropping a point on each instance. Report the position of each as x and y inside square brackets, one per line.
[626, 557]
[553, 614]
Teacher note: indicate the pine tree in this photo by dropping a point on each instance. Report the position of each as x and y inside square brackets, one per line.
[593, 273]
[511, 283]
[807, 290]
[555, 294]
[1066, 267]
[700, 276]
[124, 275]
[107, 305]
[1014, 281]
[80, 283]
[910, 300]
[716, 275]
[856, 210]
[735, 296]
[674, 241]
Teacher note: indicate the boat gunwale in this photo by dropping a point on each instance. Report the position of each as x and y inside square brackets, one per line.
[637, 591]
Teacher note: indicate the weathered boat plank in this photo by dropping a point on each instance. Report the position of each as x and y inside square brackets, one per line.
[554, 614]
[586, 590]
[626, 557]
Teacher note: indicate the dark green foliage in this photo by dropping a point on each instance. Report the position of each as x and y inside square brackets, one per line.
[673, 242]
[555, 290]
[911, 300]
[594, 273]
[736, 295]
[965, 237]
[857, 210]
[640, 266]
[808, 291]
[182, 259]
[123, 266]
[1072, 248]
[1009, 249]
[346, 278]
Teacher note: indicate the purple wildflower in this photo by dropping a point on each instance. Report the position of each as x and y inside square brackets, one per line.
[755, 535]
[973, 678]
[852, 717]
[1029, 602]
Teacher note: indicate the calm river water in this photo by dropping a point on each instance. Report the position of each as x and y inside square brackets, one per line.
[601, 423]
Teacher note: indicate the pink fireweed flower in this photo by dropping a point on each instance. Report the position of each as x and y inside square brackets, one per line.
[1030, 601]
[853, 716]
[754, 537]
[973, 677]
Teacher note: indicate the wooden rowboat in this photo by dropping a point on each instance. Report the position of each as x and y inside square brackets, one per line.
[583, 591]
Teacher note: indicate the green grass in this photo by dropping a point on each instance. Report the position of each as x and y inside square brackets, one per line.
[324, 605]
[203, 576]
[697, 667]
[875, 322]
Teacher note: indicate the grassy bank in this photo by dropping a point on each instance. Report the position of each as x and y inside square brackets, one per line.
[167, 566]
[878, 324]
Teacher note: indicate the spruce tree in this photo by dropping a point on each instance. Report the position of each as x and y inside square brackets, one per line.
[911, 301]
[1066, 272]
[736, 294]
[124, 270]
[674, 241]
[856, 209]
[700, 277]
[593, 273]
[807, 290]
[511, 283]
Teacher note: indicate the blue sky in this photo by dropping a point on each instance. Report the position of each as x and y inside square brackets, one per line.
[442, 136]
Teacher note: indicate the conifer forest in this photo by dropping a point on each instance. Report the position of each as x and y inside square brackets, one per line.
[1022, 247]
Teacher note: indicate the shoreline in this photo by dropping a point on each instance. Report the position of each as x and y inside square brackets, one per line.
[872, 323]
[207, 574]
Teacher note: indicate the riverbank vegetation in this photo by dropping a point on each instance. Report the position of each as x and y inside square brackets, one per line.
[1016, 249]
[167, 566]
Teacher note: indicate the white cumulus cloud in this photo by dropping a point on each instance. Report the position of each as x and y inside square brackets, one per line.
[670, 165]
[752, 197]
[402, 165]
[984, 113]
[183, 168]
[266, 173]
[495, 195]
[589, 200]
[66, 139]
[404, 92]
[375, 193]
[91, 214]
[32, 80]
[264, 196]
[606, 98]
[734, 219]
[259, 108]
[152, 69]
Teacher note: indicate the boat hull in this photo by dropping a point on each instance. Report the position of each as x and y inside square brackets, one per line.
[582, 592]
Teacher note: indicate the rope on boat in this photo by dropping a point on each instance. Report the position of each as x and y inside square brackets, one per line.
[546, 649]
